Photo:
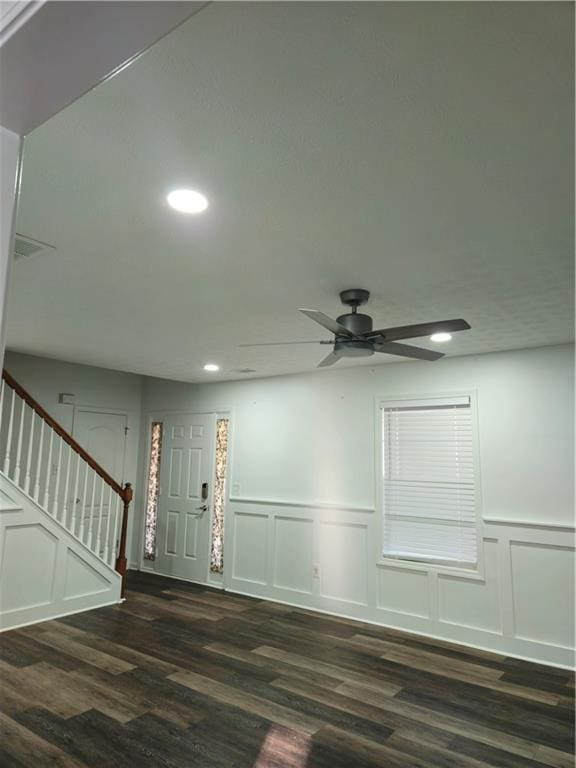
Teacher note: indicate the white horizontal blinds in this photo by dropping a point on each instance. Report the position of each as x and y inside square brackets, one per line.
[429, 492]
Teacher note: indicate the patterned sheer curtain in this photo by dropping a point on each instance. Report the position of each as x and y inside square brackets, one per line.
[153, 491]
[217, 547]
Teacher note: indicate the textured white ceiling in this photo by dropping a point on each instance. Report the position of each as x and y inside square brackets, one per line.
[51, 53]
[420, 150]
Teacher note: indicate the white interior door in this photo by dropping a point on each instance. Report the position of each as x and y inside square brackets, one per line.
[185, 497]
[103, 435]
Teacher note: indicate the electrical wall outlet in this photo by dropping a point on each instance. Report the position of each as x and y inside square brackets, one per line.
[315, 571]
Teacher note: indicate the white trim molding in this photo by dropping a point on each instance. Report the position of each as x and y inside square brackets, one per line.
[552, 524]
[14, 15]
[301, 504]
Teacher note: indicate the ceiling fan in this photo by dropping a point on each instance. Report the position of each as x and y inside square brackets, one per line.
[354, 337]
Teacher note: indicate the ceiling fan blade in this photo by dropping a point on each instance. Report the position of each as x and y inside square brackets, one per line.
[327, 322]
[405, 350]
[420, 329]
[279, 343]
[328, 360]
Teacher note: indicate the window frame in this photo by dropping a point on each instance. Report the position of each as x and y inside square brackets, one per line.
[474, 572]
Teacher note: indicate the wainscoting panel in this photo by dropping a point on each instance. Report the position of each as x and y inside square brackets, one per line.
[250, 553]
[343, 561]
[539, 575]
[293, 554]
[31, 577]
[81, 578]
[44, 571]
[325, 558]
[404, 591]
[472, 603]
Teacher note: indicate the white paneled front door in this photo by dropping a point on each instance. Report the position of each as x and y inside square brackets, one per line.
[184, 501]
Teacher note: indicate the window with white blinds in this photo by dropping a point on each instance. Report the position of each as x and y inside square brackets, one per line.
[429, 484]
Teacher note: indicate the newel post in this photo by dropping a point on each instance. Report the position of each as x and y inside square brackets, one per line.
[121, 562]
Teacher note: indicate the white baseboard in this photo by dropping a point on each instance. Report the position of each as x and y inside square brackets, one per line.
[61, 615]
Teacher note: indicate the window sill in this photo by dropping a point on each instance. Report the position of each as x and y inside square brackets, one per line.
[470, 574]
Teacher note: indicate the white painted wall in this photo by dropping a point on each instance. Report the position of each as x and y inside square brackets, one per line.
[303, 492]
[311, 437]
[10, 145]
[93, 387]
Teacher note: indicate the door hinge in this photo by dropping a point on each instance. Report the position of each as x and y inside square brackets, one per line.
[126, 430]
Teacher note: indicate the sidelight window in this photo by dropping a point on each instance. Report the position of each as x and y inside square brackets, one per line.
[153, 489]
[217, 539]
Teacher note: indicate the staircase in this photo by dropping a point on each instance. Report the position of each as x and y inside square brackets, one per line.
[63, 518]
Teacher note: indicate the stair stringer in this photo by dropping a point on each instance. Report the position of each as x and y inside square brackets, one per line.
[45, 571]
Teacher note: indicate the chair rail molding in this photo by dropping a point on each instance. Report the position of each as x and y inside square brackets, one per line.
[301, 504]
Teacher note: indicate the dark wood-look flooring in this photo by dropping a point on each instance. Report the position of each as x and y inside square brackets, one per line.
[182, 676]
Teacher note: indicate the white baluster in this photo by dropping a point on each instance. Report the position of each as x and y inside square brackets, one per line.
[9, 438]
[91, 520]
[39, 464]
[48, 471]
[83, 510]
[75, 500]
[64, 518]
[57, 486]
[19, 443]
[108, 527]
[29, 454]
[99, 529]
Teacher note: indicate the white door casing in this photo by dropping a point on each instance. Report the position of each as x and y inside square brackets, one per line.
[184, 516]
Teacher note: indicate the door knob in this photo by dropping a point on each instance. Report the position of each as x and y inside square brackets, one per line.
[204, 507]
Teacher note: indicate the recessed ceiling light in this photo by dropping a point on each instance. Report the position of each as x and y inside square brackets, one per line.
[187, 201]
[211, 367]
[440, 337]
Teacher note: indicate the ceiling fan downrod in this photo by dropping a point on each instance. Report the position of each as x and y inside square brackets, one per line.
[354, 321]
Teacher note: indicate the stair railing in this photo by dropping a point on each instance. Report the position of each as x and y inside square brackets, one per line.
[49, 465]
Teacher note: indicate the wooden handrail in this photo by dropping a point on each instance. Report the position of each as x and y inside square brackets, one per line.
[121, 562]
[35, 405]
[125, 492]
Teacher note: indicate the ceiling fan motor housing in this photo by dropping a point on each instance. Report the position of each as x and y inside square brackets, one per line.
[358, 324]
